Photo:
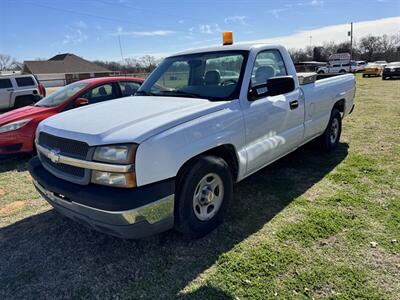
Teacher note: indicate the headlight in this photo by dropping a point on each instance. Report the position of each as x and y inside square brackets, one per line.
[14, 125]
[119, 154]
[126, 180]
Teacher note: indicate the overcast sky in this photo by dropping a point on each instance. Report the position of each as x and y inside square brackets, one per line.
[42, 28]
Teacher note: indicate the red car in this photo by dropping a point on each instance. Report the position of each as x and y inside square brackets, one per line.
[17, 127]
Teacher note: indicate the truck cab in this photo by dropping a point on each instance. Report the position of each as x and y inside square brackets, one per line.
[169, 156]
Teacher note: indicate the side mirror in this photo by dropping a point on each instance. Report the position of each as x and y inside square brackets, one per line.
[280, 85]
[81, 102]
[273, 87]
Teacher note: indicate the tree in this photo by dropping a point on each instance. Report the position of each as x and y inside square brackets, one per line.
[5, 62]
[369, 45]
[148, 62]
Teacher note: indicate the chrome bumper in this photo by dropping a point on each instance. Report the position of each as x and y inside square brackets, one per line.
[143, 221]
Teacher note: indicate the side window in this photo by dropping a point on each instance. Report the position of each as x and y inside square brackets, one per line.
[24, 81]
[101, 93]
[5, 84]
[268, 64]
[128, 88]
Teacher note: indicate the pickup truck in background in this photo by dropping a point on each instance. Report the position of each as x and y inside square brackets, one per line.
[334, 67]
[168, 158]
[19, 90]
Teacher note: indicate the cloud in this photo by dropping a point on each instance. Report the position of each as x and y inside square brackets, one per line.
[81, 24]
[289, 6]
[74, 38]
[236, 19]
[316, 2]
[336, 33]
[276, 12]
[121, 32]
[209, 28]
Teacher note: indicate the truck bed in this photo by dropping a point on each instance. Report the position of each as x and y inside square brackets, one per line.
[310, 77]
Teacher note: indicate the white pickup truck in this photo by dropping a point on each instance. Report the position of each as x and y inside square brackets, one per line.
[169, 156]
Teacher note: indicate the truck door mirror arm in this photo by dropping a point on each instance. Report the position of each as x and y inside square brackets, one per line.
[274, 86]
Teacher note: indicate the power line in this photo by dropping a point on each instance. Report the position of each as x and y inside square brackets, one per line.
[95, 16]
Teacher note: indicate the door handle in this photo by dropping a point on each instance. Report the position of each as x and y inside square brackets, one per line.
[294, 104]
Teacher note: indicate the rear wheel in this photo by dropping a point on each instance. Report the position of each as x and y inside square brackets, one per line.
[330, 138]
[364, 75]
[342, 71]
[204, 192]
[23, 101]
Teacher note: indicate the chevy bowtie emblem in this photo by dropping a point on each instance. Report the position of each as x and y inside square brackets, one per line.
[54, 156]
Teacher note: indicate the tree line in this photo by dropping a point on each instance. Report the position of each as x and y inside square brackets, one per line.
[143, 64]
[369, 48]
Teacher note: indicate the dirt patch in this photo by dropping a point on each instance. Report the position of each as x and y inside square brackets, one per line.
[11, 208]
[325, 291]
[2, 192]
[387, 264]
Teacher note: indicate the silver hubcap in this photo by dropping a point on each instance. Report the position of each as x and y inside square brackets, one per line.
[208, 197]
[334, 130]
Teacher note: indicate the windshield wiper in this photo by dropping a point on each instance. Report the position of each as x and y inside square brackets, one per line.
[143, 93]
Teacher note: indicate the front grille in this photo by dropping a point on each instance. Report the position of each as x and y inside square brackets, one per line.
[67, 147]
[66, 169]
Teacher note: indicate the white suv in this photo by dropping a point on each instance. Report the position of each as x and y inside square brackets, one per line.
[19, 90]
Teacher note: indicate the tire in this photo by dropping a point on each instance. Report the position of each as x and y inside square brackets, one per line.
[23, 101]
[384, 78]
[342, 71]
[329, 140]
[365, 75]
[209, 178]
[321, 72]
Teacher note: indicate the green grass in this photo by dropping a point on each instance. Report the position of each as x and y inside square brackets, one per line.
[310, 226]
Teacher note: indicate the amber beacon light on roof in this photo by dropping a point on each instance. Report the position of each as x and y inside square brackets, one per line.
[227, 38]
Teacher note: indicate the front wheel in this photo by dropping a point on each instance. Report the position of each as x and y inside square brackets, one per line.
[330, 138]
[204, 191]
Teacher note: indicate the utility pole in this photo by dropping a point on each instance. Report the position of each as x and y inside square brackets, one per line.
[351, 44]
[120, 48]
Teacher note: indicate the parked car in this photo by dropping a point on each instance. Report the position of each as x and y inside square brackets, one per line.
[372, 69]
[19, 90]
[169, 158]
[383, 63]
[17, 127]
[334, 67]
[391, 70]
[360, 65]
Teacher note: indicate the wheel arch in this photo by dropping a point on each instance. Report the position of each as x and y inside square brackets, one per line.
[226, 151]
[340, 105]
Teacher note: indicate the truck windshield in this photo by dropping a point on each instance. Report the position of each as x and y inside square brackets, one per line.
[215, 76]
[62, 95]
